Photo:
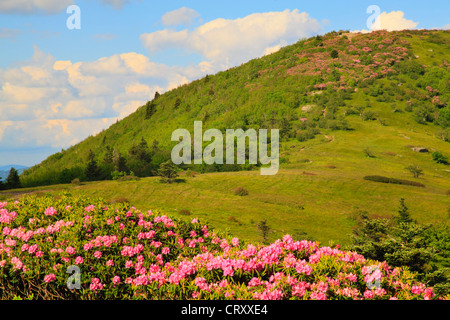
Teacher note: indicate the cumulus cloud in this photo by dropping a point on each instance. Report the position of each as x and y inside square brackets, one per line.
[54, 103]
[225, 43]
[183, 16]
[392, 21]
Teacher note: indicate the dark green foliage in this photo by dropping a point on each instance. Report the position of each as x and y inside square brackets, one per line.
[68, 174]
[307, 134]
[400, 241]
[167, 171]
[439, 157]
[92, 170]
[120, 163]
[393, 180]
[334, 53]
[150, 109]
[13, 180]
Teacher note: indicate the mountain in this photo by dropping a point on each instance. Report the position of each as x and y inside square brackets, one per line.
[315, 86]
[364, 122]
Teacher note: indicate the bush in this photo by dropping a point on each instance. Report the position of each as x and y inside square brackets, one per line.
[123, 253]
[393, 180]
[184, 212]
[239, 191]
[368, 115]
[439, 157]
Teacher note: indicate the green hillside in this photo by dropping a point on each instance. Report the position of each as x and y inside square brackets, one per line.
[347, 106]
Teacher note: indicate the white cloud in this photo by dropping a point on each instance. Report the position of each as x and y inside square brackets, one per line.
[183, 16]
[392, 21]
[225, 43]
[446, 27]
[46, 102]
[34, 6]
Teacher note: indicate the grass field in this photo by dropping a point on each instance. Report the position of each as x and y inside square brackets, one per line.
[315, 194]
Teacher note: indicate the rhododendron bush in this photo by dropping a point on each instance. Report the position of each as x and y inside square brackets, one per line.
[123, 253]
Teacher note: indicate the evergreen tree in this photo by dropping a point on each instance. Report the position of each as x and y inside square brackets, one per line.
[13, 180]
[167, 171]
[92, 171]
[150, 109]
[119, 161]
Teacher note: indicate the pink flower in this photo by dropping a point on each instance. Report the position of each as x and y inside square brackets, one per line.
[235, 242]
[33, 248]
[318, 295]
[50, 277]
[165, 250]
[95, 284]
[90, 208]
[98, 254]
[368, 294]
[79, 260]
[110, 263]
[39, 254]
[17, 263]
[70, 250]
[50, 211]
[116, 280]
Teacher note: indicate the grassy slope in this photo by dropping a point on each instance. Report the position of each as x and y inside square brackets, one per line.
[320, 205]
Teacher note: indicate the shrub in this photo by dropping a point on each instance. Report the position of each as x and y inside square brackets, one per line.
[76, 181]
[382, 179]
[368, 115]
[240, 191]
[124, 253]
[439, 157]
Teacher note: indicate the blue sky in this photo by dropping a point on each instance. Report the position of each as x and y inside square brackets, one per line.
[58, 86]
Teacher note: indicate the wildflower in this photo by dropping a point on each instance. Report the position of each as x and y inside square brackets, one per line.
[50, 277]
[109, 263]
[235, 242]
[96, 284]
[50, 211]
[70, 250]
[79, 260]
[98, 254]
[116, 280]
[165, 250]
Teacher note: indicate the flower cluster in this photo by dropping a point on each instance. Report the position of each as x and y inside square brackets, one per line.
[125, 253]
